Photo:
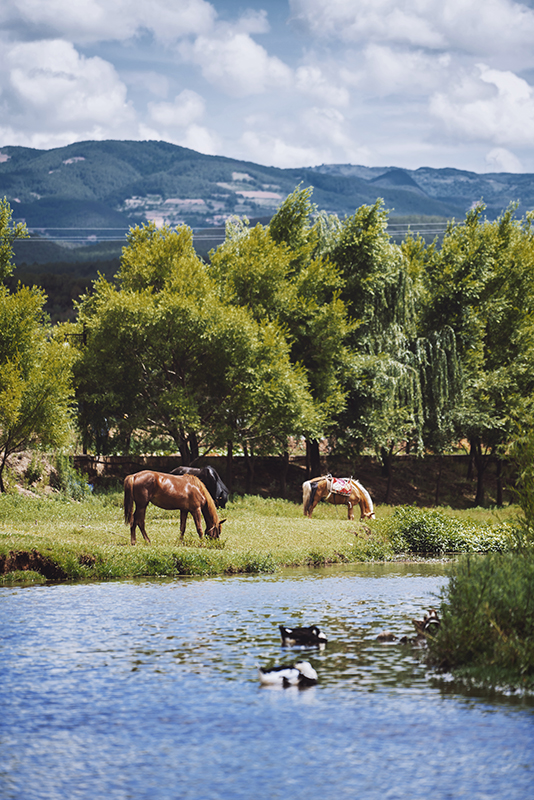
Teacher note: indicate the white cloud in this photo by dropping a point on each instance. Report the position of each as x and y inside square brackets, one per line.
[477, 27]
[488, 105]
[311, 80]
[237, 65]
[502, 160]
[390, 71]
[50, 91]
[188, 107]
[101, 20]
[275, 151]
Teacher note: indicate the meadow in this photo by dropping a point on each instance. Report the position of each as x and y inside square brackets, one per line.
[88, 540]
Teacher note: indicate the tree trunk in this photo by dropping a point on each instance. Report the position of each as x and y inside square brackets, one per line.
[313, 458]
[249, 463]
[387, 470]
[481, 464]
[230, 465]
[184, 448]
[499, 482]
[283, 473]
[471, 462]
[193, 446]
[438, 479]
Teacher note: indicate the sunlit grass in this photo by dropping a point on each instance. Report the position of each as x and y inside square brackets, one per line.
[88, 539]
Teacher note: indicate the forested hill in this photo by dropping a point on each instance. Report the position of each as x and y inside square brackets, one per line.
[90, 186]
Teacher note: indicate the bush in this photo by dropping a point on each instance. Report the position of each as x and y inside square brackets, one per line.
[430, 531]
[68, 480]
[487, 621]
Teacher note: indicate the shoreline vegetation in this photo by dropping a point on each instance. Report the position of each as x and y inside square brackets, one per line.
[57, 538]
[486, 638]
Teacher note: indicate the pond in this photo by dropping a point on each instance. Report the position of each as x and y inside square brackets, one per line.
[149, 689]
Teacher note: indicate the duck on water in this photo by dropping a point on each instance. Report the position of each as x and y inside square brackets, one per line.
[299, 674]
[303, 637]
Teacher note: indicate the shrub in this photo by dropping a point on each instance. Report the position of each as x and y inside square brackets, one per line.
[487, 620]
[430, 531]
[68, 480]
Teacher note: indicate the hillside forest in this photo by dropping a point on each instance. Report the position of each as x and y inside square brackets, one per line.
[310, 329]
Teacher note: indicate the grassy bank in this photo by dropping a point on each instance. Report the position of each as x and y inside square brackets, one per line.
[55, 538]
[486, 635]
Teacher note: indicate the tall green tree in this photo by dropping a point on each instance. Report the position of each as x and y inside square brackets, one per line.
[35, 365]
[9, 232]
[168, 362]
[280, 273]
[480, 284]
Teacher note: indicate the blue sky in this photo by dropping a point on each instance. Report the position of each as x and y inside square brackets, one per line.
[288, 83]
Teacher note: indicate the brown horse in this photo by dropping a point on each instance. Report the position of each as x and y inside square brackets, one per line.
[184, 492]
[349, 492]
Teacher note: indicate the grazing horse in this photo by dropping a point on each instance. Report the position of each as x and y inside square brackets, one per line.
[186, 493]
[346, 491]
[211, 479]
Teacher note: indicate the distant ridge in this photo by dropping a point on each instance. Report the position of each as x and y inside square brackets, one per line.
[89, 191]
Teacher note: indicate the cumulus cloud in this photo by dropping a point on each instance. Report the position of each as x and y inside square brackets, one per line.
[50, 91]
[236, 64]
[499, 159]
[188, 107]
[311, 80]
[391, 71]
[479, 27]
[83, 21]
[488, 105]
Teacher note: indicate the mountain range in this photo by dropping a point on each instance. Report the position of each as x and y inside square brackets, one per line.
[92, 191]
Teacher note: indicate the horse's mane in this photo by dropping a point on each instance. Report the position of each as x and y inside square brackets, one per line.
[209, 500]
[364, 492]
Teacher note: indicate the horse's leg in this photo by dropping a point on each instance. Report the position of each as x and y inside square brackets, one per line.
[133, 526]
[139, 519]
[350, 509]
[183, 520]
[197, 516]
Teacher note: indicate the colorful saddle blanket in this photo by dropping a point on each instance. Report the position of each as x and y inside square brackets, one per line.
[341, 486]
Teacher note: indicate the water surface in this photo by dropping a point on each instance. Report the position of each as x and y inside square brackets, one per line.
[149, 690]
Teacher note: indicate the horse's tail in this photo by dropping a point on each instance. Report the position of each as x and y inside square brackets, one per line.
[128, 499]
[308, 493]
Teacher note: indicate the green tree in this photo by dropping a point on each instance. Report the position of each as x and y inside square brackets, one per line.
[35, 378]
[280, 274]
[8, 234]
[167, 362]
[35, 366]
[480, 284]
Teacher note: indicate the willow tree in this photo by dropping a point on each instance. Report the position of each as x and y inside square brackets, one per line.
[480, 284]
[384, 403]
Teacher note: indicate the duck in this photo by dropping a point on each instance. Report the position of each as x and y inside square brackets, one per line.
[299, 674]
[429, 624]
[305, 637]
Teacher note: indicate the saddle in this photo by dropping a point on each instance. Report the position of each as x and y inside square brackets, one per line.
[339, 485]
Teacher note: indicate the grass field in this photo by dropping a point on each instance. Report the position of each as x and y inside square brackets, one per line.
[88, 539]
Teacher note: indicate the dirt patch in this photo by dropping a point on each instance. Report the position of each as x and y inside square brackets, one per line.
[31, 560]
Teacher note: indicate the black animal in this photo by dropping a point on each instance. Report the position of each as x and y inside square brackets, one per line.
[211, 480]
[305, 637]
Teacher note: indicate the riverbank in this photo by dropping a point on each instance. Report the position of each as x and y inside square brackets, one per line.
[56, 539]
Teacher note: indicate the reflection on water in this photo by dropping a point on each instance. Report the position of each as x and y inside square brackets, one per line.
[150, 690]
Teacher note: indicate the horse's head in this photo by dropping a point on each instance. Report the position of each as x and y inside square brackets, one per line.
[215, 531]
